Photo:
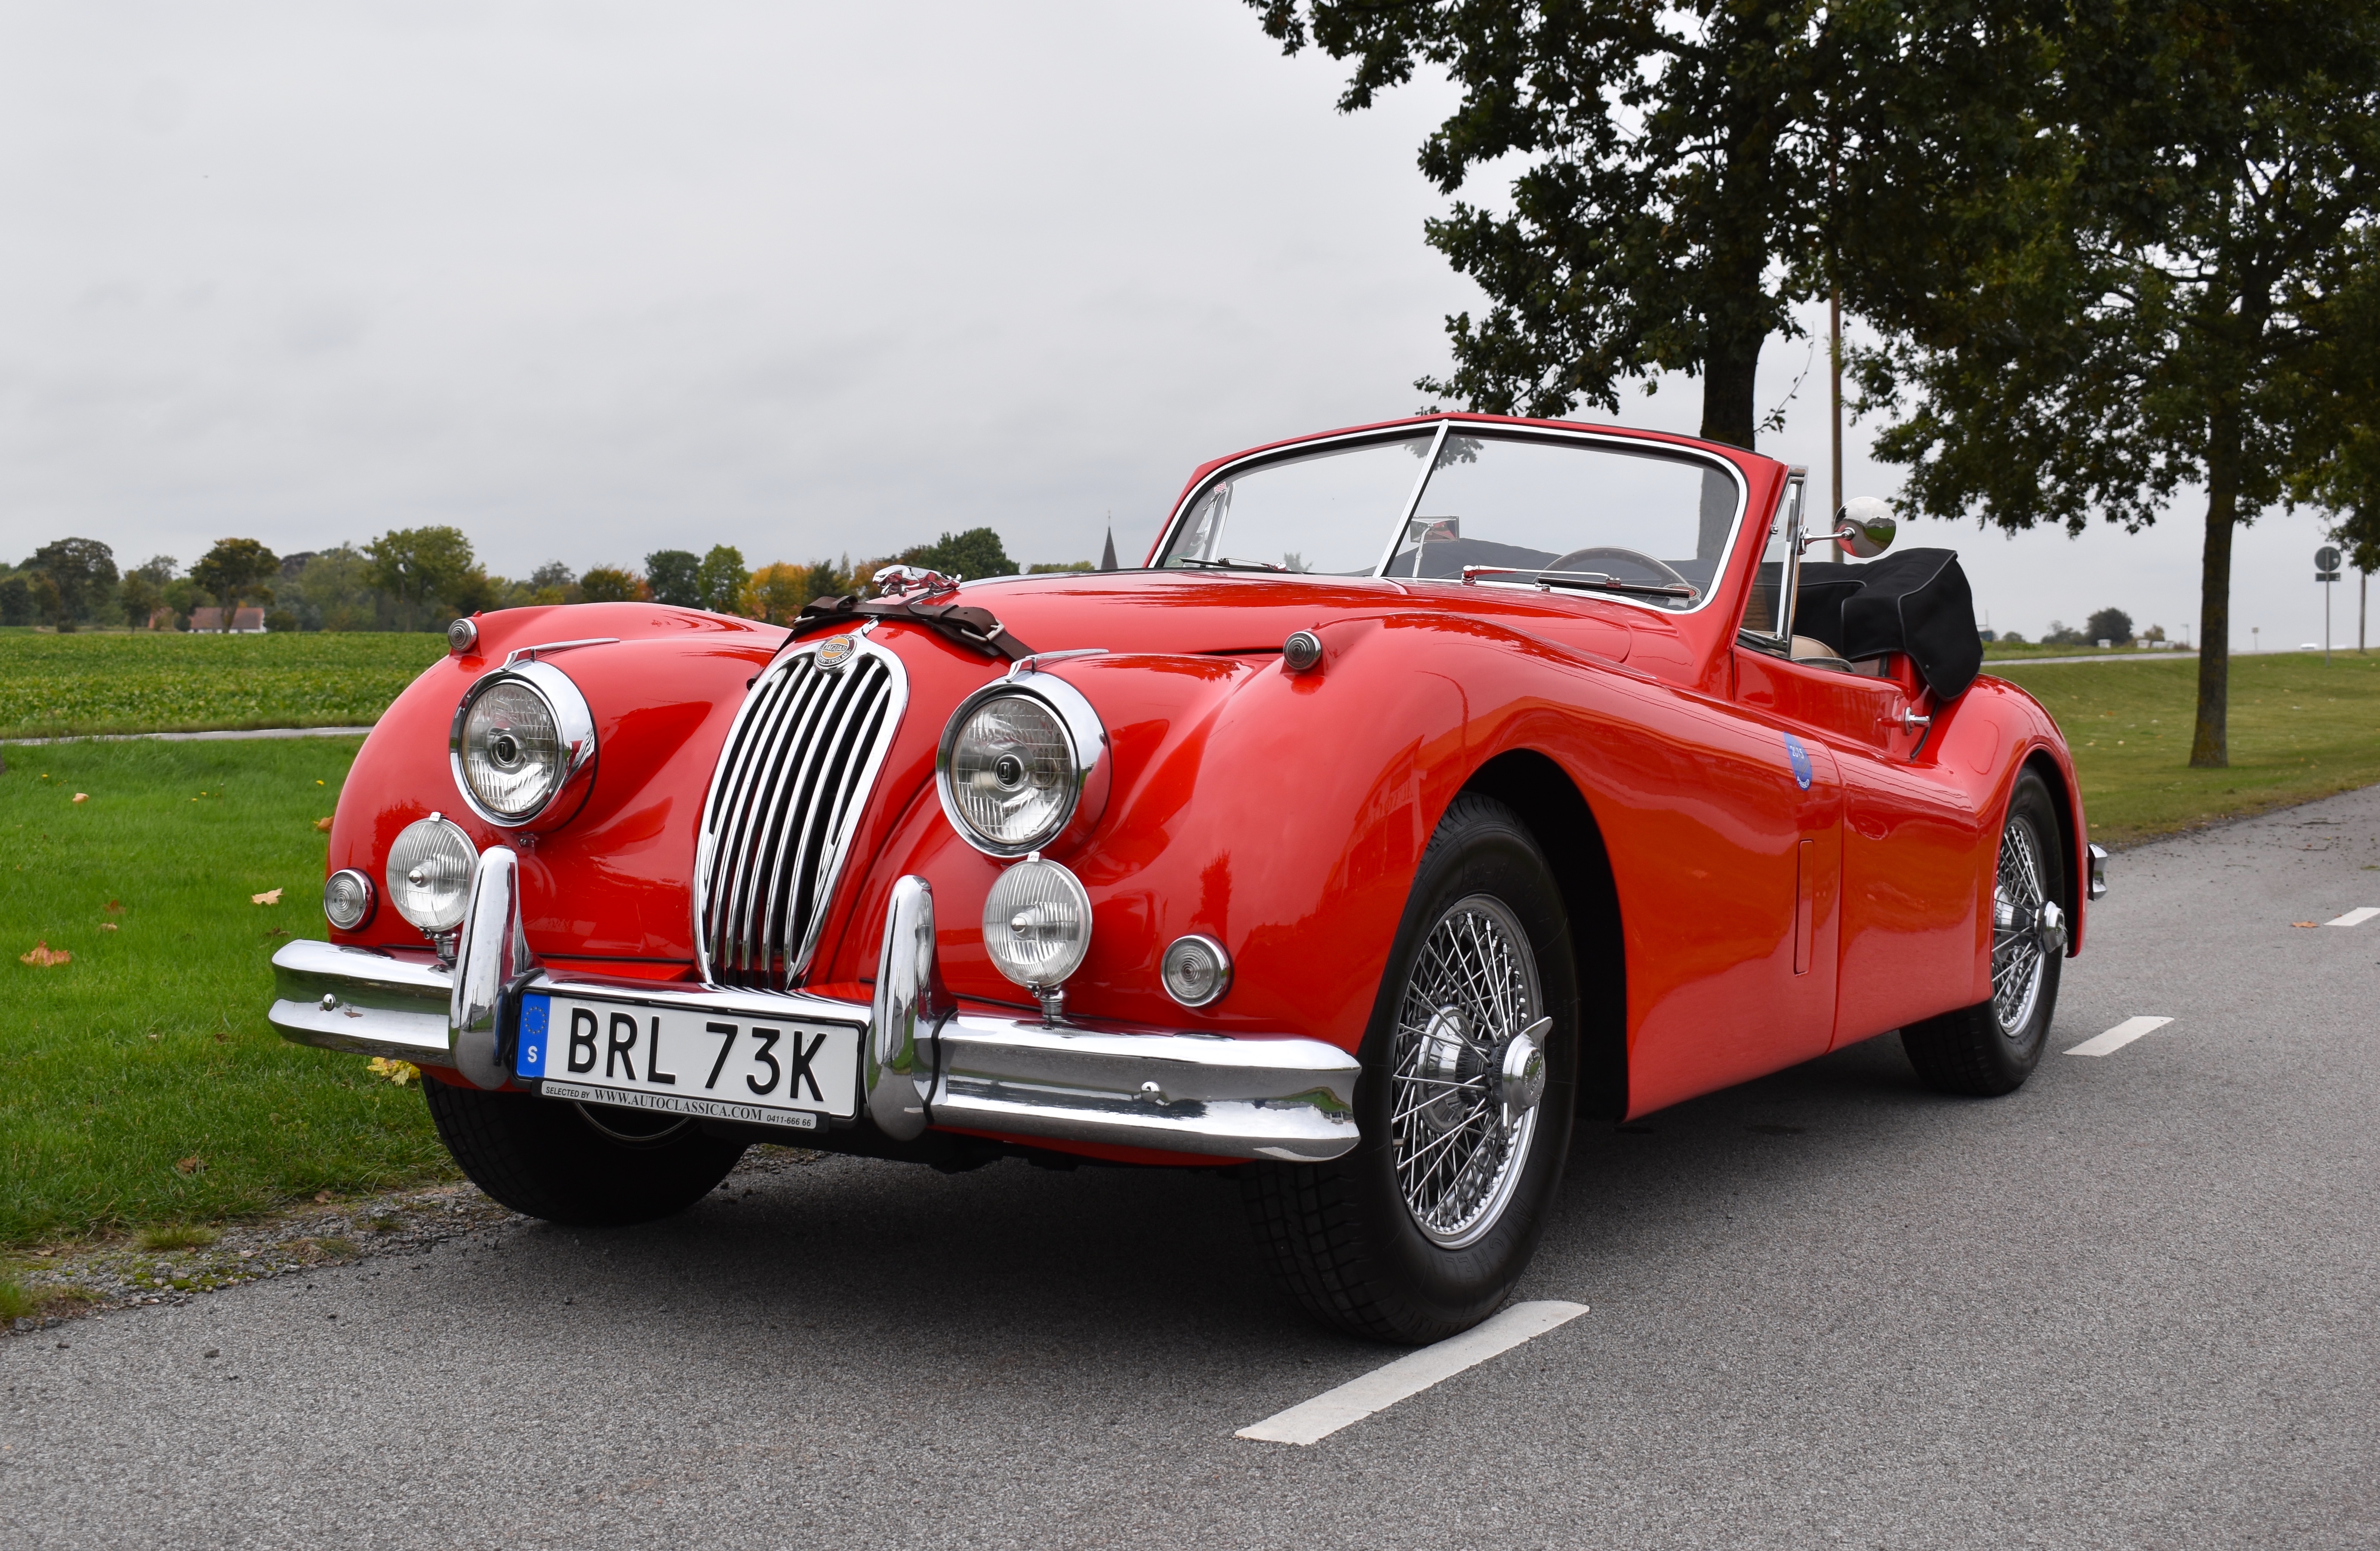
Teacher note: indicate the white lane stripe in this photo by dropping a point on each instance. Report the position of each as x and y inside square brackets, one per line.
[2116, 1039]
[1318, 1418]
[2355, 917]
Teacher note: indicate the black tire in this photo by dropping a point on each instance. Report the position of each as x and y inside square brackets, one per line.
[549, 1159]
[1989, 1049]
[1341, 1236]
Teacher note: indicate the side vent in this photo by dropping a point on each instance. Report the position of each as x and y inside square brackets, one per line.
[800, 762]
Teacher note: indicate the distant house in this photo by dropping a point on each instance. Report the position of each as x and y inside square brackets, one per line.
[244, 622]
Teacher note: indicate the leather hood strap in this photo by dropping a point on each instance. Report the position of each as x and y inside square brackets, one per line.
[977, 629]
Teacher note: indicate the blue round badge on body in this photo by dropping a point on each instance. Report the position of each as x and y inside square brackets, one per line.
[1800, 759]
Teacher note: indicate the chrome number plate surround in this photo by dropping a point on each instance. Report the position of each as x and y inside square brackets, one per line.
[723, 1062]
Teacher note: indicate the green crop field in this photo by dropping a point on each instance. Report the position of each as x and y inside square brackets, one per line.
[163, 682]
[2300, 730]
[139, 1083]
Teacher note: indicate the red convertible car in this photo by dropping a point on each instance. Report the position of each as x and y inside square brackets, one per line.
[1433, 783]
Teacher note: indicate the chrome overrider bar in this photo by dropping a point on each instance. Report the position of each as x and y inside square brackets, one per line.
[924, 1062]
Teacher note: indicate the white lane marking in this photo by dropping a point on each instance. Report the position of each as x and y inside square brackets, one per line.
[2116, 1039]
[1317, 1419]
[2355, 917]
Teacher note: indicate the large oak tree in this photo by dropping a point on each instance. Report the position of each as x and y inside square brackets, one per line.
[2161, 298]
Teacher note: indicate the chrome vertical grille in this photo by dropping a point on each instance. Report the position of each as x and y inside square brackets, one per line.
[795, 773]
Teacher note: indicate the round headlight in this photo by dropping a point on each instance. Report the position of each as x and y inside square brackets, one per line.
[430, 873]
[348, 899]
[1037, 924]
[1022, 768]
[522, 746]
[512, 752]
[1195, 970]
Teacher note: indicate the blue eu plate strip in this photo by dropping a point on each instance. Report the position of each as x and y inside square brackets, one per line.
[530, 1062]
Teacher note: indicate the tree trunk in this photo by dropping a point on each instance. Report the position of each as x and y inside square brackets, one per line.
[1728, 371]
[2210, 744]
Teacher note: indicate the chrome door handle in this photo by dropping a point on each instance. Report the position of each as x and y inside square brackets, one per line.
[1911, 723]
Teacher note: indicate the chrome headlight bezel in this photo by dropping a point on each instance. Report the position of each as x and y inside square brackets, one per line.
[575, 728]
[1084, 798]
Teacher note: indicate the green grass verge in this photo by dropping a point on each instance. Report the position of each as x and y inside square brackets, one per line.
[139, 1083]
[2299, 730]
[162, 681]
[141, 1087]
[2002, 651]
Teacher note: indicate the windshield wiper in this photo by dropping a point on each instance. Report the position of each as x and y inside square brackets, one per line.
[1593, 581]
[1231, 565]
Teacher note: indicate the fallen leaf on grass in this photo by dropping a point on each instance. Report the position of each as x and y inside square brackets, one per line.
[115, 908]
[324, 824]
[83, 796]
[109, 926]
[397, 1072]
[271, 896]
[191, 1165]
[43, 955]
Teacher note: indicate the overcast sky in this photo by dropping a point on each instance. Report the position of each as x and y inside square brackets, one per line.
[589, 280]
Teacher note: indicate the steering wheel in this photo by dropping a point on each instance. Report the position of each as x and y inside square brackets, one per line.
[1576, 561]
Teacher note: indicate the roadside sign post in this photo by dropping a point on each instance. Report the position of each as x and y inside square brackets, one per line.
[2326, 571]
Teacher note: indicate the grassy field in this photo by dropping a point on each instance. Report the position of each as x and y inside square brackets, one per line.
[2299, 730]
[2003, 651]
[139, 1083]
[163, 682]
[141, 1087]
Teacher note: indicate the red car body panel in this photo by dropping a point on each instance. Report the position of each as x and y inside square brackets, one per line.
[1284, 814]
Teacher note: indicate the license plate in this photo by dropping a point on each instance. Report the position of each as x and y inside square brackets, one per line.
[726, 1065]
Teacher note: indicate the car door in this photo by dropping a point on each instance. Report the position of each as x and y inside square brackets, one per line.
[1908, 929]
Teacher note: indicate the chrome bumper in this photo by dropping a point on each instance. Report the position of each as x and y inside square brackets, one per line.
[924, 1062]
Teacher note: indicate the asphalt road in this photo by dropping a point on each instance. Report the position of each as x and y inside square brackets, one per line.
[2132, 1305]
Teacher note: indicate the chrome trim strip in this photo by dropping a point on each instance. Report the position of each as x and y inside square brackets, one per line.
[1413, 501]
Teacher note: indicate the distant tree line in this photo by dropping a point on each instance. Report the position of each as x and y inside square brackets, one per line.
[418, 578]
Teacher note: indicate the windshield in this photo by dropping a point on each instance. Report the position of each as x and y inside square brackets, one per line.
[1643, 523]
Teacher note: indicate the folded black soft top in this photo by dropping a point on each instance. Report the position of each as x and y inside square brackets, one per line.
[1915, 601]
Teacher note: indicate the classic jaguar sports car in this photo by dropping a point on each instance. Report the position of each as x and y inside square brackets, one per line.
[1434, 782]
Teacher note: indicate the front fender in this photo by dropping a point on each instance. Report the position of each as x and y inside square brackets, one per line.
[1281, 814]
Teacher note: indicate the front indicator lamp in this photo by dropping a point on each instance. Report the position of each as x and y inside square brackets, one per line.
[430, 874]
[1195, 970]
[1036, 927]
[348, 899]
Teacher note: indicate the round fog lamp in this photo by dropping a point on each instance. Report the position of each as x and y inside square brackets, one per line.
[430, 873]
[1195, 970]
[348, 899]
[1037, 924]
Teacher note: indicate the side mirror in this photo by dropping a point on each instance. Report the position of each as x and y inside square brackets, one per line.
[1865, 527]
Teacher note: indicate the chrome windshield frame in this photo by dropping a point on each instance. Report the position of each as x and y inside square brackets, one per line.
[1444, 427]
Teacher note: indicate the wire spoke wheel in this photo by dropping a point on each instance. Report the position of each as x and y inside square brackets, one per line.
[1457, 1151]
[2017, 954]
